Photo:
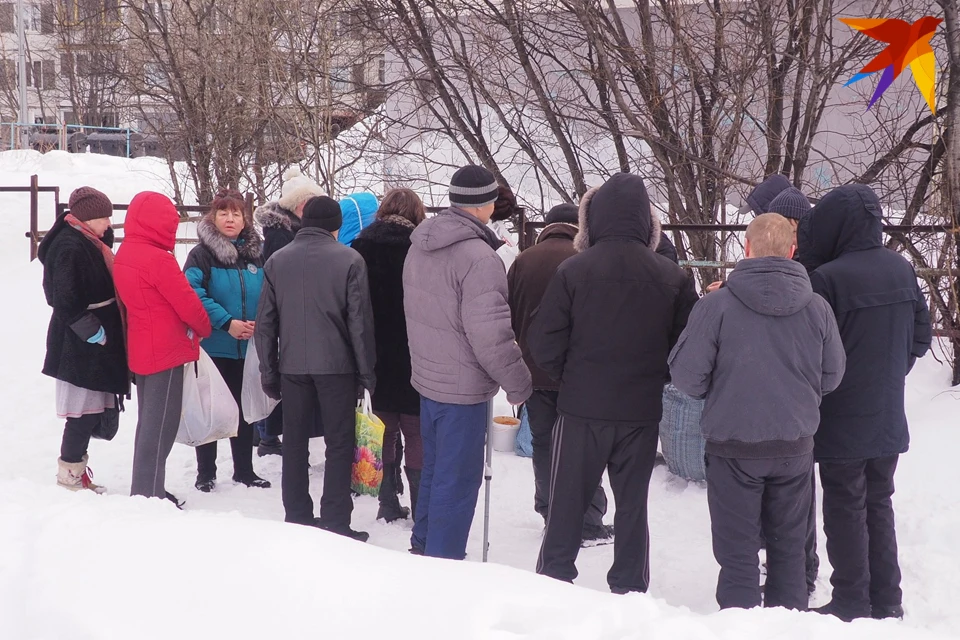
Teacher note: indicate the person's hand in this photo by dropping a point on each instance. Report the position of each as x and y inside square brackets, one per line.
[241, 330]
[272, 390]
[713, 286]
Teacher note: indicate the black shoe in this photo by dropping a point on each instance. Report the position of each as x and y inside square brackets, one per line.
[392, 513]
[177, 503]
[831, 609]
[894, 612]
[205, 485]
[416, 551]
[596, 534]
[345, 531]
[270, 448]
[253, 481]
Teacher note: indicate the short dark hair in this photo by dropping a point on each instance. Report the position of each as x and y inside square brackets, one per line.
[404, 203]
[229, 199]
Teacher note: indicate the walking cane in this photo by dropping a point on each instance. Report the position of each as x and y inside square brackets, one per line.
[487, 476]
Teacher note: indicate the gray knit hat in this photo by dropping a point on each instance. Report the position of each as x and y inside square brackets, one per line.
[472, 186]
[790, 203]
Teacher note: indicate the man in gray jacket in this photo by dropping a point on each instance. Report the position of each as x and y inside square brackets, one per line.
[763, 351]
[315, 303]
[462, 350]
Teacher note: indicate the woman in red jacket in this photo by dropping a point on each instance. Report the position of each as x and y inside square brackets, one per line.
[165, 322]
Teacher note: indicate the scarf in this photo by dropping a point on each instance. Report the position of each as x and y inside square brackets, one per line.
[108, 257]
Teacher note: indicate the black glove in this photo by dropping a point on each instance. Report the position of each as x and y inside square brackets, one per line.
[272, 390]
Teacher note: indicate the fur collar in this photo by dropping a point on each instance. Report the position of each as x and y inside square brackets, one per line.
[273, 216]
[388, 231]
[249, 245]
[582, 241]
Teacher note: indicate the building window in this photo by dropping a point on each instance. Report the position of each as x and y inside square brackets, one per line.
[155, 15]
[32, 18]
[382, 69]
[41, 74]
[154, 76]
[340, 79]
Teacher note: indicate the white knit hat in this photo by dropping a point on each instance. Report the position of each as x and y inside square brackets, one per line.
[297, 189]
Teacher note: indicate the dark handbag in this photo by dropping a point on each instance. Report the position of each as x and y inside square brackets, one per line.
[109, 423]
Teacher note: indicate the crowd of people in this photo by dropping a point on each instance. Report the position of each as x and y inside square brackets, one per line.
[800, 357]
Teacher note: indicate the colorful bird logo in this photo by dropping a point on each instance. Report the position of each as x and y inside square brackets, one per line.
[908, 44]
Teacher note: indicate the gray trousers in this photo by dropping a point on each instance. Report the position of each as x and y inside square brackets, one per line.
[159, 403]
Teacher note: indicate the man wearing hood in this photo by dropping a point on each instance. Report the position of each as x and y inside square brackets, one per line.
[528, 279]
[885, 326]
[462, 351]
[764, 338]
[607, 322]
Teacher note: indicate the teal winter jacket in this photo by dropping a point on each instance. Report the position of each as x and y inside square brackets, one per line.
[227, 275]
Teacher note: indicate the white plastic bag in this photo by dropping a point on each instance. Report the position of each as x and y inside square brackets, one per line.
[255, 403]
[209, 411]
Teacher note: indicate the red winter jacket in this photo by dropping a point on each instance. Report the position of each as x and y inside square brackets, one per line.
[165, 318]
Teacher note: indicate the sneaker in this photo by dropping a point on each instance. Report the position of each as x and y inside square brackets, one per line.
[253, 481]
[346, 532]
[894, 612]
[593, 535]
[205, 485]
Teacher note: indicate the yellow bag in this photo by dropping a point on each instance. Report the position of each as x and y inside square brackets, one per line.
[368, 454]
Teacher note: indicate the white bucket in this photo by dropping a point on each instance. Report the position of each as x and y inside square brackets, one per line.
[503, 433]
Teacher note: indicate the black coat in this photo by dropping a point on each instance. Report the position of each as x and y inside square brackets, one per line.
[314, 316]
[612, 314]
[883, 319]
[76, 278]
[528, 278]
[384, 247]
[279, 227]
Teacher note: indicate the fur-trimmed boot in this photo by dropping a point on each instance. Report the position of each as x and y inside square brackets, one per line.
[76, 476]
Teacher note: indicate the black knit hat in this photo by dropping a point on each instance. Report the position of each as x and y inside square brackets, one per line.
[763, 194]
[565, 212]
[472, 187]
[86, 204]
[791, 203]
[323, 212]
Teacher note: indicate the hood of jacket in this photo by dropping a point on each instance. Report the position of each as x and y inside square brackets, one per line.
[58, 226]
[764, 193]
[360, 206]
[618, 210]
[388, 231]
[849, 218]
[152, 219]
[273, 216]
[770, 286]
[248, 244]
[560, 230]
[450, 227]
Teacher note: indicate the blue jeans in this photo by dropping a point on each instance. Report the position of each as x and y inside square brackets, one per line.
[453, 449]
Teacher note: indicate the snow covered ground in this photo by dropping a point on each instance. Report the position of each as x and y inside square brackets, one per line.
[108, 567]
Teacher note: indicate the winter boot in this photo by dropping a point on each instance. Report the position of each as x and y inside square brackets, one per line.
[413, 479]
[75, 476]
[390, 509]
[270, 447]
[894, 612]
[177, 502]
[345, 531]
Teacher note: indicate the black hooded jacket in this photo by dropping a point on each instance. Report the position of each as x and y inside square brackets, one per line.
[883, 319]
[612, 313]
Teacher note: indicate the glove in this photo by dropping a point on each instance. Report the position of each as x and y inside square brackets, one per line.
[100, 338]
[272, 390]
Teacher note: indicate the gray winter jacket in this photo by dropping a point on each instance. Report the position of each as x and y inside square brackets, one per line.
[462, 346]
[315, 302]
[763, 351]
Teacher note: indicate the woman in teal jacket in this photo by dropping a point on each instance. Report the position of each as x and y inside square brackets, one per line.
[226, 271]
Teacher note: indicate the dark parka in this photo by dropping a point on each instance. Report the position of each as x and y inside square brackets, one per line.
[314, 316]
[384, 245]
[613, 312]
[76, 283]
[883, 320]
[527, 281]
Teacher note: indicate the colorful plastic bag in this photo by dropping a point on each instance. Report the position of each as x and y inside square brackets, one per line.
[368, 456]
[209, 411]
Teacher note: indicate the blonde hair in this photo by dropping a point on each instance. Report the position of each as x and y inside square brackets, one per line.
[770, 234]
